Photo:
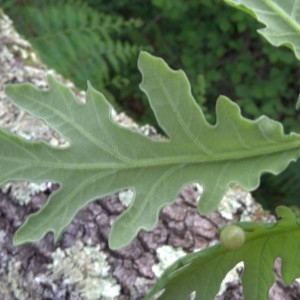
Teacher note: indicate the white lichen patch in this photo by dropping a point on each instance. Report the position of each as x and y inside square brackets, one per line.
[19, 47]
[86, 268]
[126, 197]
[22, 192]
[232, 276]
[166, 255]
[12, 284]
[199, 189]
[239, 205]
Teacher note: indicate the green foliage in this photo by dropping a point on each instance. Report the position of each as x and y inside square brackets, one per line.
[77, 41]
[173, 9]
[203, 271]
[101, 158]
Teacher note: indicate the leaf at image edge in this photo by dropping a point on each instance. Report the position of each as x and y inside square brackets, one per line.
[279, 17]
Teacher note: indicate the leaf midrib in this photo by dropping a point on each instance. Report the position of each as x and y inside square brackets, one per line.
[163, 161]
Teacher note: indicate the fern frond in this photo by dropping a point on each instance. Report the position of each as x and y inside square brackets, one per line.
[77, 41]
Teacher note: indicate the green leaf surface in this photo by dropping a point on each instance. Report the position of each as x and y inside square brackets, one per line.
[281, 18]
[104, 157]
[203, 271]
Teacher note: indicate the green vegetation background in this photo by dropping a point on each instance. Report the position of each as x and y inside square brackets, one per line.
[217, 46]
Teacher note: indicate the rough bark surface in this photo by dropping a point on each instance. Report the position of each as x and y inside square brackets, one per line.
[25, 271]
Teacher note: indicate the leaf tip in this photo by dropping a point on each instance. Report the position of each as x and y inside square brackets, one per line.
[298, 102]
[285, 213]
[19, 238]
[143, 59]
[52, 81]
[114, 241]
[144, 54]
[89, 85]
[90, 88]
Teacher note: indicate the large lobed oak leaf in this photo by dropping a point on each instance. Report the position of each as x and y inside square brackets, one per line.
[104, 157]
